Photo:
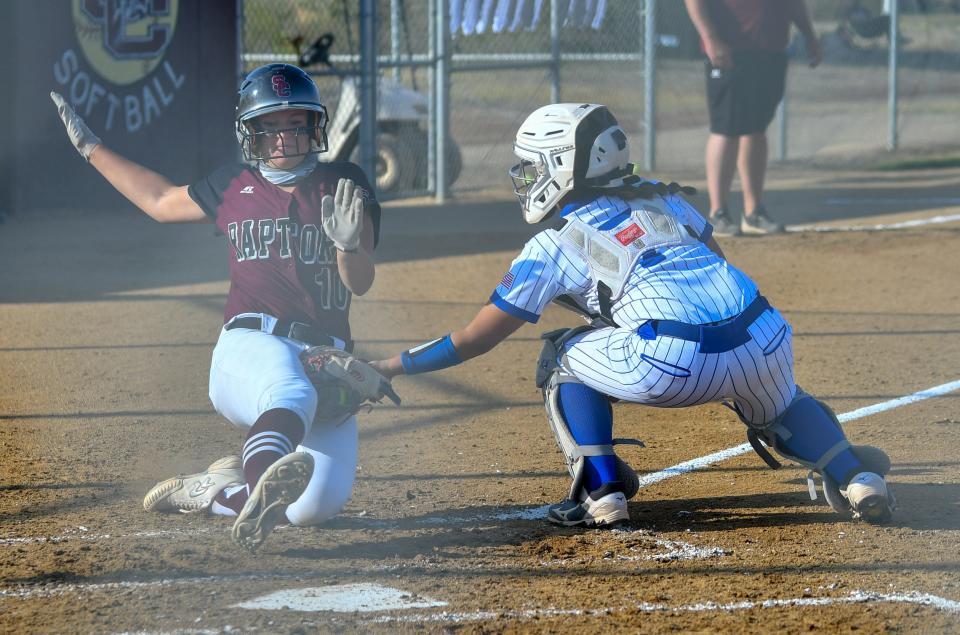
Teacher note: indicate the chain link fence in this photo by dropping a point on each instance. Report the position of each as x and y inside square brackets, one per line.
[508, 57]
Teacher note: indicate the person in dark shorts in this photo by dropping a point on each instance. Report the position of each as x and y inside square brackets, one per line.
[745, 42]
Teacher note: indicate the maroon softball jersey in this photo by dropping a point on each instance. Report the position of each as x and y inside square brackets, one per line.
[281, 261]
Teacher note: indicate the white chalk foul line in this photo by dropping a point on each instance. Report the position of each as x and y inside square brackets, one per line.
[729, 453]
[855, 597]
[891, 200]
[81, 534]
[536, 513]
[919, 222]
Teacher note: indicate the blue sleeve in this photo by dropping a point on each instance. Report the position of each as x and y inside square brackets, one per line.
[515, 311]
[434, 355]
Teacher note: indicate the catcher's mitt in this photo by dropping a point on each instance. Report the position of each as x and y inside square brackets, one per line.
[344, 383]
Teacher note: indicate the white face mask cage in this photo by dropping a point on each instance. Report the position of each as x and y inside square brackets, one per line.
[525, 175]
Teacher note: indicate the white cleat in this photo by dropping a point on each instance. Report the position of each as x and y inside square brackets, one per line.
[282, 484]
[194, 492]
[869, 497]
[605, 506]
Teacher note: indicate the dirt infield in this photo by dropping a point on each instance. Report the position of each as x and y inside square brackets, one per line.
[107, 322]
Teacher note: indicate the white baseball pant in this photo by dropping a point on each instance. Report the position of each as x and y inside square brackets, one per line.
[668, 372]
[252, 372]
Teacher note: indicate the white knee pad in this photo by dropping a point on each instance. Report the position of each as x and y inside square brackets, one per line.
[319, 503]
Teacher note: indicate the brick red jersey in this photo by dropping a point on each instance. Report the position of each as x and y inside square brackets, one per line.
[281, 261]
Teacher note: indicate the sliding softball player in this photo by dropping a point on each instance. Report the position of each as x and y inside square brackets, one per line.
[301, 235]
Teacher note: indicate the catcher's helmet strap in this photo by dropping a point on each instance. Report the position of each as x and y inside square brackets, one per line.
[624, 173]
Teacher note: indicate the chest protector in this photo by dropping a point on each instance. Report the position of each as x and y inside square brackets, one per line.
[614, 247]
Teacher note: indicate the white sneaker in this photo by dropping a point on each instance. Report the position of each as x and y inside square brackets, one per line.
[282, 484]
[195, 492]
[758, 223]
[605, 506]
[869, 497]
[722, 224]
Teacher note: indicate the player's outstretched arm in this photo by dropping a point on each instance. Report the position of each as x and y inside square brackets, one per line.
[490, 327]
[348, 224]
[151, 192]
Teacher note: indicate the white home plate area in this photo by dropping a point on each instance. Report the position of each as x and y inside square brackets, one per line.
[347, 598]
[366, 598]
[409, 607]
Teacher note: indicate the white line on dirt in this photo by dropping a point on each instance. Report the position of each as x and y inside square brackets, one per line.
[723, 455]
[51, 590]
[855, 597]
[536, 513]
[398, 599]
[182, 631]
[678, 550]
[80, 534]
[891, 200]
[919, 222]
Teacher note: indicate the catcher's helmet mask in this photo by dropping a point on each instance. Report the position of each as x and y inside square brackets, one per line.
[563, 147]
[272, 88]
[525, 175]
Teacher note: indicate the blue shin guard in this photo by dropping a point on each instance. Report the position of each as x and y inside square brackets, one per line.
[590, 420]
[582, 423]
[809, 433]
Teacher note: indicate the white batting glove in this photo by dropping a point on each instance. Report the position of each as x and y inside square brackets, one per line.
[343, 215]
[80, 135]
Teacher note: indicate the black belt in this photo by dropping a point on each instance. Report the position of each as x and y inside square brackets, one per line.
[713, 338]
[287, 328]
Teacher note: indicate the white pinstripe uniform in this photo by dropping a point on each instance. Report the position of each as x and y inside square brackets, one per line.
[684, 282]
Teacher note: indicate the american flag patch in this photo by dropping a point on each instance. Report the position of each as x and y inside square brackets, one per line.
[507, 281]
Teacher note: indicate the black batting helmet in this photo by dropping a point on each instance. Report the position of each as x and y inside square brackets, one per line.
[272, 88]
